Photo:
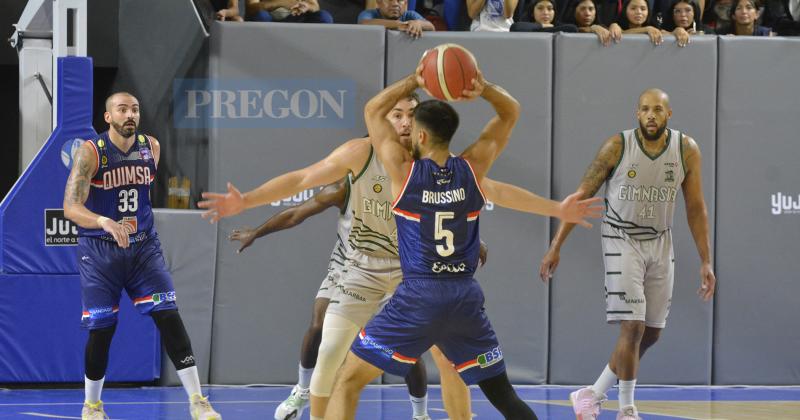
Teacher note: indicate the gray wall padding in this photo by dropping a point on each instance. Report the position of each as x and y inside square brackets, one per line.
[264, 295]
[189, 244]
[596, 92]
[515, 301]
[756, 333]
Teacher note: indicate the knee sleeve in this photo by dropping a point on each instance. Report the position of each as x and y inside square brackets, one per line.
[417, 379]
[503, 397]
[96, 353]
[175, 338]
[337, 336]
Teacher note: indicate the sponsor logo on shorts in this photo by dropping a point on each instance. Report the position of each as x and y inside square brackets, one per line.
[351, 293]
[58, 230]
[368, 341]
[163, 297]
[785, 204]
[484, 360]
[439, 266]
[100, 312]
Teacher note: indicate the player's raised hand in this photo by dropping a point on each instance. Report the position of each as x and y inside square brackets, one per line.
[574, 210]
[222, 205]
[708, 282]
[116, 230]
[478, 84]
[246, 236]
[549, 264]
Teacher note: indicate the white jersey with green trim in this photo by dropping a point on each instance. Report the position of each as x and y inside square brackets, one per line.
[373, 231]
[343, 224]
[641, 191]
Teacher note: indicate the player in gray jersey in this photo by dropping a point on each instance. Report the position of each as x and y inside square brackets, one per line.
[642, 170]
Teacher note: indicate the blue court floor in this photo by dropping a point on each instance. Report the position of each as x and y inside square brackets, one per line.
[391, 403]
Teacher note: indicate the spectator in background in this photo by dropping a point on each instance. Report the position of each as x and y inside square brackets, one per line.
[685, 15]
[542, 15]
[583, 14]
[295, 11]
[718, 16]
[637, 20]
[392, 14]
[743, 20]
[226, 10]
[783, 16]
[491, 15]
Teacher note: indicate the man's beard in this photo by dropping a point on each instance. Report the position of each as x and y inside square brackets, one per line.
[124, 130]
[654, 137]
[415, 153]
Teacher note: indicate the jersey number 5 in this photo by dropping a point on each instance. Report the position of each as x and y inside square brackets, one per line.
[440, 232]
[128, 200]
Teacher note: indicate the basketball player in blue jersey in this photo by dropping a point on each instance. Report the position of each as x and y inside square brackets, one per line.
[437, 206]
[108, 197]
[643, 169]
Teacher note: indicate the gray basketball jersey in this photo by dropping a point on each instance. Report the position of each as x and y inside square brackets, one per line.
[641, 192]
[373, 231]
[343, 224]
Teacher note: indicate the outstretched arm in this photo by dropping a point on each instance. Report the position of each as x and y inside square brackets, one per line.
[330, 196]
[599, 170]
[697, 215]
[329, 170]
[395, 158]
[77, 192]
[483, 152]
[520, 199]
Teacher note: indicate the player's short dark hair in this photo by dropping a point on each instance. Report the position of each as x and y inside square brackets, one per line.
[413, 96]
[438, 118]
[110, 97]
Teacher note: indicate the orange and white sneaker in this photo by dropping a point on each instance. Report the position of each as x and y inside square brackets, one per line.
[628, 412]
[201, 409]
[586, 403]
[93, 411]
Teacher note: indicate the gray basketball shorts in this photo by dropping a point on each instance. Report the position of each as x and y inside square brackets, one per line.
[330, 281]
[365, 286]
[639, 276]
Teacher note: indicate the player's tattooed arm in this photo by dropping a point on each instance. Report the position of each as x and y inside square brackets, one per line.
[596, 174]
[78, 184]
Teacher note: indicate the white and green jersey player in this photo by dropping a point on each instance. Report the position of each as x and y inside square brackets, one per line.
[636, 236]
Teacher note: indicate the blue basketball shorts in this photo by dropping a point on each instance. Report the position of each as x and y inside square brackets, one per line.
[106, 269]
[424, 312]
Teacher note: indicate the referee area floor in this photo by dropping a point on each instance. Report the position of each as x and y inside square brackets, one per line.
[391, 403]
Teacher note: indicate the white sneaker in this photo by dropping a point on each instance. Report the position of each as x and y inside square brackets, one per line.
[93, 411]
[201, 409]
[586, 403]
[628, 413]
[293, 407]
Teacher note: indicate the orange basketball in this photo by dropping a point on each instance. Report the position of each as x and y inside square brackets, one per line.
[447, 70]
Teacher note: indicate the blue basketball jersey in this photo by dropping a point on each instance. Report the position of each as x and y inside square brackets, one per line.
[121, 187]
[437, 220]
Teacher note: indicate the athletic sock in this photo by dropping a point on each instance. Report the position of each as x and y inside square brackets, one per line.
[93, 389]
[419, 405]
[626, 393]
[606, 380]
[304, 376]
[190, 380]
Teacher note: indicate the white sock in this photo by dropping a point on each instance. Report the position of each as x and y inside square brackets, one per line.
[419, 405]
[626, 393]
[93, 389]
[304, 376]
[190, 380]
[606, 380]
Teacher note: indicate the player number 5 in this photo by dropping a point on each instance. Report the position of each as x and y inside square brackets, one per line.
[441, 233]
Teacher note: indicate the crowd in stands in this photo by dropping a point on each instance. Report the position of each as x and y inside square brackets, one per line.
[610, 20]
